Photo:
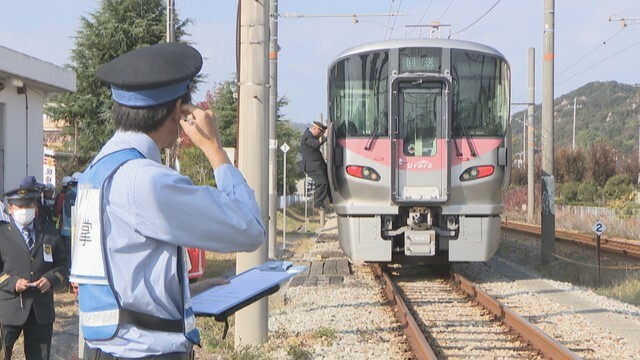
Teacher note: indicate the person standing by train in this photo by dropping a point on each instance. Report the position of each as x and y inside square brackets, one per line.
[136, 215]
[313, 163]
[33, 262]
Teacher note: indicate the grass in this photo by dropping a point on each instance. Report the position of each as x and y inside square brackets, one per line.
[298, 241]
[619, 277]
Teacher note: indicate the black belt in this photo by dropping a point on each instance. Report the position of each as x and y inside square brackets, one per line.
[97, 354]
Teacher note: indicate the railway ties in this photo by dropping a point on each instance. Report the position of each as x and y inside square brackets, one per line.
[446, 312]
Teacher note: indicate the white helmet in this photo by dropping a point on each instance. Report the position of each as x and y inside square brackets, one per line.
[75, 177]
[65, 180]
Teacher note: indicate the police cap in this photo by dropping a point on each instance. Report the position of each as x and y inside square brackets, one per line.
[320, 125]
[151, 75]
[22, 196]
[31, 183]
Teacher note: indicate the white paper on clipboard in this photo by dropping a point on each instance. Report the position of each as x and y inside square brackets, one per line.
[243, 287]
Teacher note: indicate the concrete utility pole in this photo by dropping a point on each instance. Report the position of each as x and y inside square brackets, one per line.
[273, 129]
[251, 322]
[171, 153]
[548, 224]
[531, 204]
[575, 106]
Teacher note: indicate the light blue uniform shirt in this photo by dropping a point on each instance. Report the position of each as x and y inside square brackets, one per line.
[150, 210]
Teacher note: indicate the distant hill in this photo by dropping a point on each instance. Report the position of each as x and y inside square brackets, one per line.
[607, 111]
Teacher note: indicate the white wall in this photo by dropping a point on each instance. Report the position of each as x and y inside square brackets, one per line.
[15, 135]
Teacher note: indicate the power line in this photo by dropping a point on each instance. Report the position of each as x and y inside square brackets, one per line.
[389, 18]
[395, 19]
[600, 62]
[445, 11]
[422, 17]
[589, 53]
[579, 60]
[480, 18]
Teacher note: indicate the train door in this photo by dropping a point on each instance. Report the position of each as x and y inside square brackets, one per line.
[420, 151]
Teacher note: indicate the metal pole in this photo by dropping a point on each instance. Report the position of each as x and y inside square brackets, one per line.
[548, 182]
[273, 129]
[598, 256]
[531, 204]
[573, 141]
[306, 201]
[251, 322]
[524, 140]
[284, 198]
[322, 214]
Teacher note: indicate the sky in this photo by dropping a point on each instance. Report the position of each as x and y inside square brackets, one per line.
[588, 46]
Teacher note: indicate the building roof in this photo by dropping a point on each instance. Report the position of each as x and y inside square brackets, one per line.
[35, 72]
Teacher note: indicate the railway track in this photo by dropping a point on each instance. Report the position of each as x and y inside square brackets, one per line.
[447, 312]
[615, 246]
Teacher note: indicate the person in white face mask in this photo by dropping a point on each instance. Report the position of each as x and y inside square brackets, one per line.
[33, 261]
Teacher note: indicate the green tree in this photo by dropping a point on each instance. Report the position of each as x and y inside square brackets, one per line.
[118, 26]
[602, 162]
[224, 104]
[570, 164]
[617, 187]
[588, 192]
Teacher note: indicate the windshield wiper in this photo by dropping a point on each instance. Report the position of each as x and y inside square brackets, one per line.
[375, 133]
[470, 143]
[465, 132]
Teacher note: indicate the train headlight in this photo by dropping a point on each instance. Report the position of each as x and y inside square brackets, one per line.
[476, 172]
[363, 172]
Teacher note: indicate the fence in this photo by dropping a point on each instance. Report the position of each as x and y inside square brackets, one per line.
[597, 212]
[290, 199]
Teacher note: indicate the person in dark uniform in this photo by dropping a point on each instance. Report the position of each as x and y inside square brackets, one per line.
[45, 214]
[33, 261]
[313, 163]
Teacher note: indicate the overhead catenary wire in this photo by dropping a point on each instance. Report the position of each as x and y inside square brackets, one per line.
[599, 62]
[445, 10]
[589, 53]
[421, 18]
[395, 19]
[603, 43]
[477, 20]
[388, 18]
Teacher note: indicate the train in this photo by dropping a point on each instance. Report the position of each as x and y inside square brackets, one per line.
[419, 149]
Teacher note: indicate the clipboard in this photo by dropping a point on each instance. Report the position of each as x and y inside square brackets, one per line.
[244, 289]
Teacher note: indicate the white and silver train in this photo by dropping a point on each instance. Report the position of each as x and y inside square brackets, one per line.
[419, 149]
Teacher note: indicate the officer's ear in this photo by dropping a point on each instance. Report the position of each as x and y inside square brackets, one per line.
[176, 115]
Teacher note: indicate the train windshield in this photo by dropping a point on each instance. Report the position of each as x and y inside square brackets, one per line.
[480, 94]
[358, 91]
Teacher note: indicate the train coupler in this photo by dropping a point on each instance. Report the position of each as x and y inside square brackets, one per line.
[420, 242]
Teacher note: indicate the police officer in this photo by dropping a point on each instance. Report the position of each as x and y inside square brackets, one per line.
[142, 213]
[313, 163]
[32, 263]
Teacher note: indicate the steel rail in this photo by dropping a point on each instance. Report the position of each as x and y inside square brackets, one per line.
[418, 342]
[529, 332]
[615, 246]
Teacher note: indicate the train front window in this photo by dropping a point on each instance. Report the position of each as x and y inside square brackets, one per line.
[420, 111]
[358, 95]
[480, 94]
